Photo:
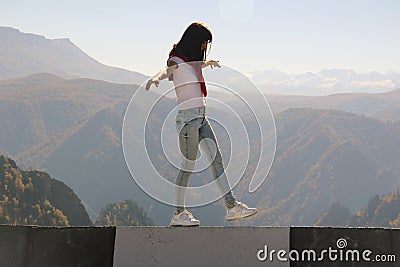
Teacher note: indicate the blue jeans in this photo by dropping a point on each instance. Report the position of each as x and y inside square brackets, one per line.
[193, 126]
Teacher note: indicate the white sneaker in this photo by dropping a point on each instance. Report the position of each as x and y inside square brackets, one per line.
[239, 210]
[185, 218]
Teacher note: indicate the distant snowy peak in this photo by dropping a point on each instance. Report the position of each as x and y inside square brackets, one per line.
[327, 81]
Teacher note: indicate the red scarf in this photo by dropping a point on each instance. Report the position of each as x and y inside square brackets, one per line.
[199, 71]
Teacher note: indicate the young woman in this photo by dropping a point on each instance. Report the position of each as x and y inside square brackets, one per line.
[184, 65]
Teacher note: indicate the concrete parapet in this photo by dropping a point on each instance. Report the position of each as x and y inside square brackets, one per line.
[196, 246]
[29, 246]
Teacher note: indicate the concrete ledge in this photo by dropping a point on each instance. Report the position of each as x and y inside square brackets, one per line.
[52, 246]
[196, 246]
[28, 246]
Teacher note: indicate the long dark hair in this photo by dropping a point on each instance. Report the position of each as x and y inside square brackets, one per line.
[190, 43]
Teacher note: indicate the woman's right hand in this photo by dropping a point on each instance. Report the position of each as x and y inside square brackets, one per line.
[156, 81]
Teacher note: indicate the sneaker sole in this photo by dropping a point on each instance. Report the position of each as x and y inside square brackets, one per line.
[179, 224]
[240, 217]
[185, 225]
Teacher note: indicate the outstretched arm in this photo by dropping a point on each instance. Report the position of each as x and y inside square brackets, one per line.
[162, 74]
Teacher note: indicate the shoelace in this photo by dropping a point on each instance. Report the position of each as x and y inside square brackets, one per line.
[188, 214]
[241, 206]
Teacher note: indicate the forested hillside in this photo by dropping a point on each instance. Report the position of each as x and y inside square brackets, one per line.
[33, 197]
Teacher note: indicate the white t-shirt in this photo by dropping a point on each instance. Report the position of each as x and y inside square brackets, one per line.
[187, 86]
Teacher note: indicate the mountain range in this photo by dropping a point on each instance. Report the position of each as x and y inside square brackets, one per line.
[325, 156]
[72, 129]
[23, 54]
[383, 106]
[325, 82]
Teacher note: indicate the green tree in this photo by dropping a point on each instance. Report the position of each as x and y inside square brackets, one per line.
[124, 213]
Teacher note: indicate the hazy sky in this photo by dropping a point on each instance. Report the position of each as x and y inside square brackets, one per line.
[292, 36]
